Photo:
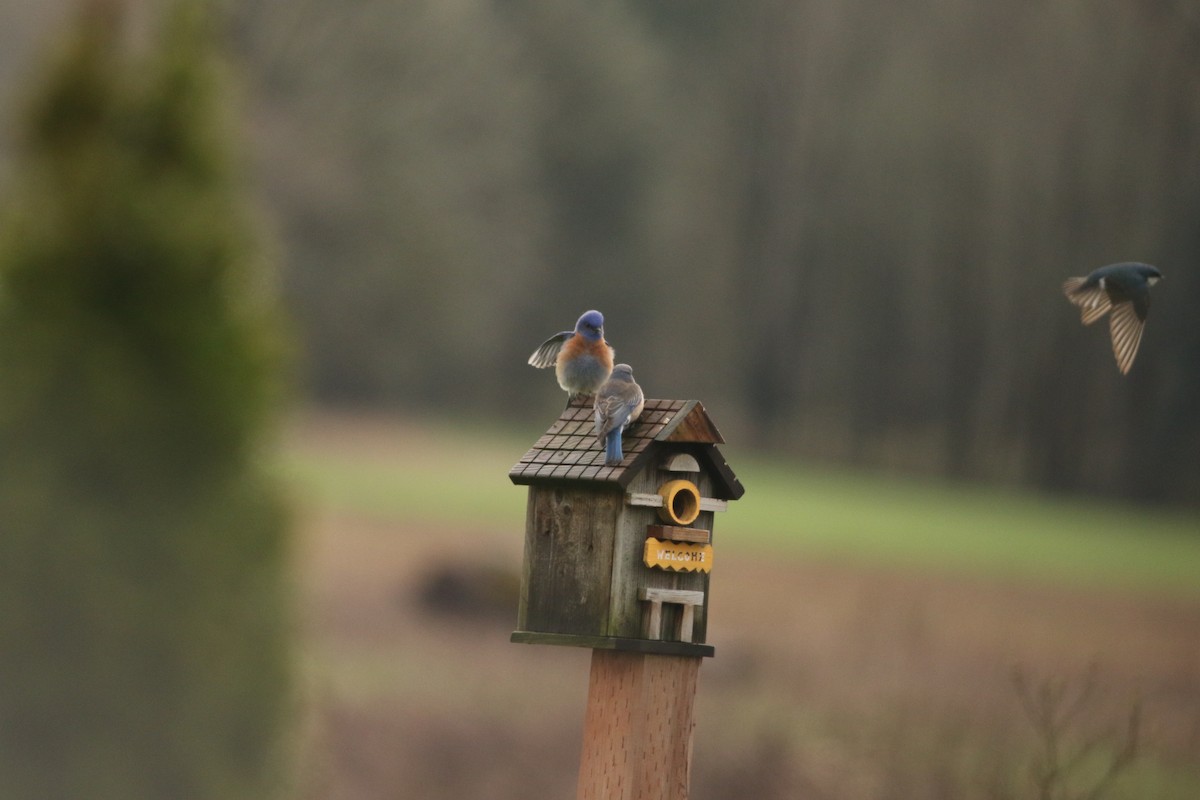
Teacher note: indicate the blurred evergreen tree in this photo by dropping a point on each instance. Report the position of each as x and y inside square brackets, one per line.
[144, 633]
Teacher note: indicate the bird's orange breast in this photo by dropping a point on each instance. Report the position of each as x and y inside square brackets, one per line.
[578, 346]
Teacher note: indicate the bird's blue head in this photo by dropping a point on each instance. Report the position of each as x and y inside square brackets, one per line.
[591, 325]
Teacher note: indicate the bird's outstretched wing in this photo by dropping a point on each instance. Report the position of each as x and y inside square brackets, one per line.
[1126, 330]
[547, 351]
[1093, 301]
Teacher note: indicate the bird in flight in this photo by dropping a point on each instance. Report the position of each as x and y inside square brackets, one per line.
[1123, 289]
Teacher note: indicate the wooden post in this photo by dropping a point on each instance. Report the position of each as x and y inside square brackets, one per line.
[637, 731]
[617, 559]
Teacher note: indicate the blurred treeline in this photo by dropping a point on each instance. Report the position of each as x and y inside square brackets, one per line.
[843, 226]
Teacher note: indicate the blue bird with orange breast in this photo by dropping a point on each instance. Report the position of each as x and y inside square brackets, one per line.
[618, 405]
[582, 360]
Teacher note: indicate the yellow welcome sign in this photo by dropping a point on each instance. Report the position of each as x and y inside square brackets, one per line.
[678, 556]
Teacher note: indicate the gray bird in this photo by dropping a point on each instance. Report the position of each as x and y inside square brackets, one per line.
[618, 404]
[1123, 289]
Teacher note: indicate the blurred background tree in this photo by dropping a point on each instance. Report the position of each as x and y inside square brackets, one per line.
[844, 226]
[143, 546]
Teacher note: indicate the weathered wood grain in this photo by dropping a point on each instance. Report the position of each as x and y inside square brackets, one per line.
[568, 559]
[674, 533]
[647, 500]
[637, 731]
[688, 602]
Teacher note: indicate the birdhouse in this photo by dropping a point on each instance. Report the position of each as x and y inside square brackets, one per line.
[620, 557]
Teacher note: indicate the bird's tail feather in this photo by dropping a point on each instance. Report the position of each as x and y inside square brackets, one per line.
[612, 448]
[1093, 301]
[1071, 285]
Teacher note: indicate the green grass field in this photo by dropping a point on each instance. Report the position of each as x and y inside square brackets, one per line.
[882, 651]
[458, 477]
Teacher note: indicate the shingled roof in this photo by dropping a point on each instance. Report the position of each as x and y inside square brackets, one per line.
[568, 451]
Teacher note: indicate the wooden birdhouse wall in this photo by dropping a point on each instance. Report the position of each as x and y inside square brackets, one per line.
[570, 536]
[629, 611]
[585, 554]
[585, 579]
